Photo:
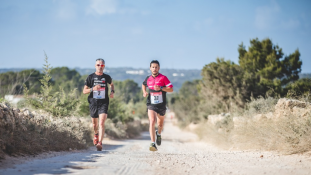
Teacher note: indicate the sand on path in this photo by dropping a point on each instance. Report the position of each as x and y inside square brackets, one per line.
[180, 153]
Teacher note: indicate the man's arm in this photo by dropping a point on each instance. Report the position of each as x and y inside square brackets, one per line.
[112, 89]
[86, 90]
[168, 85]
[145, 93]
[167, 89]
[112, 86]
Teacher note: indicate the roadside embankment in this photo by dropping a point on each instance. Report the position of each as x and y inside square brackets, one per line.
[26, 132]
[23, 132]
[267, 124]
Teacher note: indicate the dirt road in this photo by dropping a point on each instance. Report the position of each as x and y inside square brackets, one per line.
[180, 153]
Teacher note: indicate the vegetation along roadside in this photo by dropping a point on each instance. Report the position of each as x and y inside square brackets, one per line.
[259, 103]
[54, 115]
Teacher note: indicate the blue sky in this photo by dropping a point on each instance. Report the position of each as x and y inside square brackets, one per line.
[181, 34]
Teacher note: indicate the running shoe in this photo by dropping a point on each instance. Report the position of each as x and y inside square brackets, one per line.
[99, 146]
[158, 138]
[153, 147]
[95, 140]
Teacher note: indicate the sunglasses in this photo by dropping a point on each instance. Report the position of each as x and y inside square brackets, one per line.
[101, 65]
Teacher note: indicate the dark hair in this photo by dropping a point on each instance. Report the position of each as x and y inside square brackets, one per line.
[100, 59]
[155, 61]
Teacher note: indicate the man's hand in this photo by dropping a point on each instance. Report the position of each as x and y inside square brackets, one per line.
[157, 88]
[145, 94]
[96, 88]
[111, 94]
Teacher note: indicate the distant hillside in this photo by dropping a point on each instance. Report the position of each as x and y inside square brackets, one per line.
[176, 76]
[3, 70]
[305, 75]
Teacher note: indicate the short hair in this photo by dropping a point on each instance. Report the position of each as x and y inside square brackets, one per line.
[155, 61]
[100, 59]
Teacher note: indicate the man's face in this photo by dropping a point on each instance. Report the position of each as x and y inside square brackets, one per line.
[99, 65]
[154, 68]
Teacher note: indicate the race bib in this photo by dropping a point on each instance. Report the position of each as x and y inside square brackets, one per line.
[99, 94]
[156, 97]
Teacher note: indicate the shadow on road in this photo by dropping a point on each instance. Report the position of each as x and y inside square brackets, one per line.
[143, 136]
[61, 164]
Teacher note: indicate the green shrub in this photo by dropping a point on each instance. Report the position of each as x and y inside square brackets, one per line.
[84, 109]
[299, 87]
[257, 106]
[119, 111]
[59, 103]
[140, 110]
[12, 82]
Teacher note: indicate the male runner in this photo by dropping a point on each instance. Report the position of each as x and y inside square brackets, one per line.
[97, 85]
[158, 85]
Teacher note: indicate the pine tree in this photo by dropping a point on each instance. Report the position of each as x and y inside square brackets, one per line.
[266, 69]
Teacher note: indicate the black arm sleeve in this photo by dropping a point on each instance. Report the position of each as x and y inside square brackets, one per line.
[109, 80]
[88, 82]
[145, 81]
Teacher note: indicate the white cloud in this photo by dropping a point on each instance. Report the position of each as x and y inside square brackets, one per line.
[269, 17]
[266, 16]
[202, 25]
[102, 7]
[290, 24]
[66, 10]
[215, 24]
[145, 13]
[127, 11]
[208, 21]
[137, 31]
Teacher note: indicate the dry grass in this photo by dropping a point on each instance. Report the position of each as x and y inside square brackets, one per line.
[264, 125]
[26, 133]
[210, 134]
[284, 127]
[124, 130]
[288, 135]
[29, 133]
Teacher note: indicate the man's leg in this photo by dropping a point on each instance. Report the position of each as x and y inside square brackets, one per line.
[95, 125]
[160, 121]
[102, 119]
[95, 128]
[152, 118]
[94, 115]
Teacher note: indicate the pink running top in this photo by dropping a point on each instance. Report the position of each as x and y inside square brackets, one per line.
[157, 98]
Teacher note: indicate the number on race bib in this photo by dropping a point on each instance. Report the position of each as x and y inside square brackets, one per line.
[156, 97]
[99, 94]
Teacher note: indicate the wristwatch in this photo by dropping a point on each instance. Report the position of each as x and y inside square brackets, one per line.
[112, 91]
[161, 87]
[91, 90]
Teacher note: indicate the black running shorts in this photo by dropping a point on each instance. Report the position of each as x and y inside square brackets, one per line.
[98, 107]
[161, 110]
